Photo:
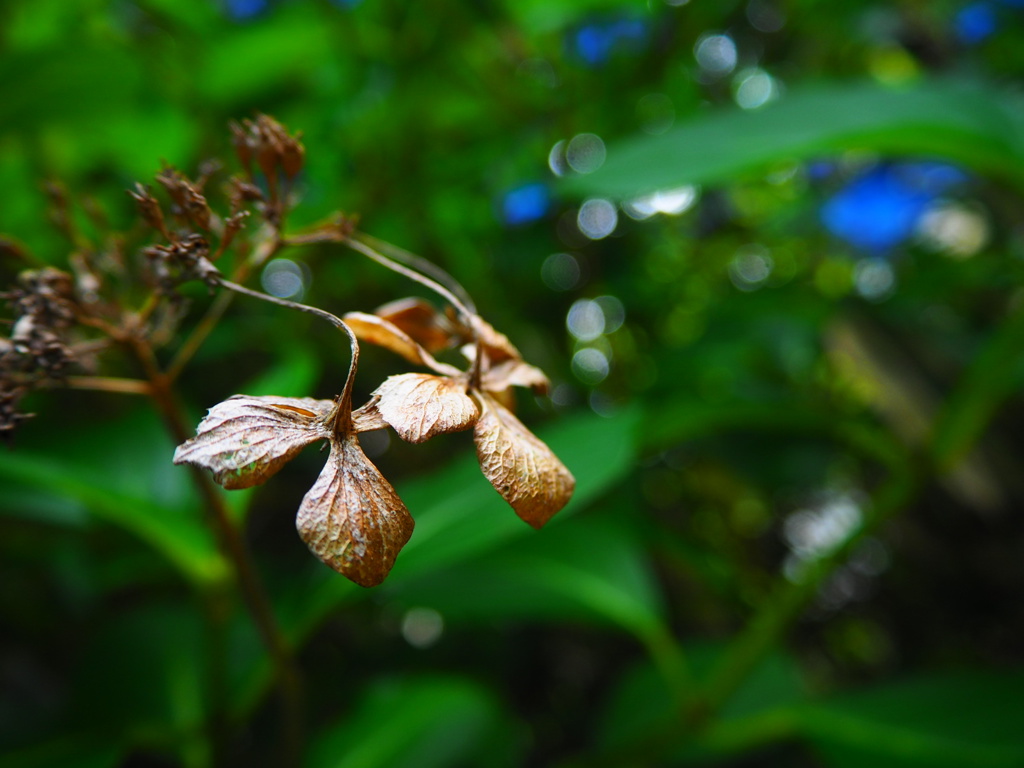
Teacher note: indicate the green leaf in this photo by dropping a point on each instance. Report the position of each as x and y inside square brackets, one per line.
[590, 567]
[176, 533]
[643, 707]
[972, 123]
[141, 679]
[262, 58]
[968, 718]
[130, 483]
[545, 16]
[416, 723]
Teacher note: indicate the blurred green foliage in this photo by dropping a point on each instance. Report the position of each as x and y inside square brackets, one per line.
[796, 533]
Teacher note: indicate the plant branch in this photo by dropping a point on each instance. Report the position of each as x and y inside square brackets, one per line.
[394, 266]
[110, 384]
[234, 547]
[346, 396]
[269, 244]
[418, 263]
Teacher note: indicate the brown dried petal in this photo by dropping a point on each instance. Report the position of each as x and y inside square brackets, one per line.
[367, 418]
[515, 373]
[419, 405]
[377, 330]
[352, 519]
[521, 468]
[244, 440]
[496, 345]
[420, 320]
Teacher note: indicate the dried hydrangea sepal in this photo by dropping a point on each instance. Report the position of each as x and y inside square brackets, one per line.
[246, 439]
[420, 405]
[519, 465]
[351, 518]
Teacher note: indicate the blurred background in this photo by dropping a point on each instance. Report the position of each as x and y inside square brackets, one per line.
[770, 254]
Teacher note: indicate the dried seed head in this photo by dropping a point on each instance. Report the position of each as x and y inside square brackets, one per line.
[149, 208]
[46, 294]
[188, 200]
[244, 144]
[182, 261]
[242, 193]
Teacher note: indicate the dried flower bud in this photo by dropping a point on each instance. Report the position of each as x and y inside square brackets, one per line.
[180, 262]
[242, 192]
[268, 143]
[188, 200]
[170, 179]
[293, 156]
[149, 208]
[242, 141]
[268, 146]
[46, 294]
[232, 226]
[207, 170]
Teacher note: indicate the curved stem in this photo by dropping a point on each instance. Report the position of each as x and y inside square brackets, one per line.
[412, 274]
[418, 263]
[270, 244]
[233, 545]
[346, 396]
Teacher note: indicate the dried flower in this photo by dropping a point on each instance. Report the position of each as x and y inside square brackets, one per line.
[351, 518]
[418, 406]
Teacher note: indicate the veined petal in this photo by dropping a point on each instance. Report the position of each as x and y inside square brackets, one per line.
[245, 439]
[419, 320]
[367, 418]
[520, 466]
[495, 344]
[383, 333]
[352, 519]
[420, 405]
[514, 373]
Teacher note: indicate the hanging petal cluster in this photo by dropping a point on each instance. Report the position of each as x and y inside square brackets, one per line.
[352, 518]
[419, 406]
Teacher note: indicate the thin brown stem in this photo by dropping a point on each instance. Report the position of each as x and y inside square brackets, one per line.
[270, 243]
[233, 545]
[413, 275]
[198, 335]
[110, 384]
[428, 268]
[346, 396]
[469, 317]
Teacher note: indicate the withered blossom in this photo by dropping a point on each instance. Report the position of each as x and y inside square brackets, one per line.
[352, 518]
[419, 406]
